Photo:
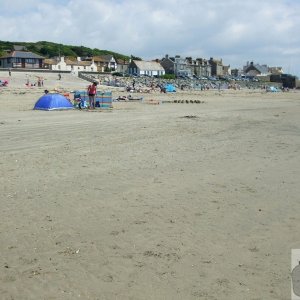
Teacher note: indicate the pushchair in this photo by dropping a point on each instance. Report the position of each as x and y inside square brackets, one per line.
[79, 102]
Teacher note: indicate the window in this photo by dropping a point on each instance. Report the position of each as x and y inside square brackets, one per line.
[30, 60]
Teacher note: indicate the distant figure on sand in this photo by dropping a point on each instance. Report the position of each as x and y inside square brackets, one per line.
[27, 80]
[92, 90]
[59, 76]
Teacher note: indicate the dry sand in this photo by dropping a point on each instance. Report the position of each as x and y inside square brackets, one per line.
[169, 201]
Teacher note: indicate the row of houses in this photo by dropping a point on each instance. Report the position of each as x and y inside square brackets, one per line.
[19, 57]
[188, 66]
[177, 65]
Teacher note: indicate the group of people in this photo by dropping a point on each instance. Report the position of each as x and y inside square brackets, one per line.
[39, 82]
[3, 82]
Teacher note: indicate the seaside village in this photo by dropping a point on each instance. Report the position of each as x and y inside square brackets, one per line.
[134, 77]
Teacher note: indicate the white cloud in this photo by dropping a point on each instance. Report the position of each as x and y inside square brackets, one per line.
[236, 31]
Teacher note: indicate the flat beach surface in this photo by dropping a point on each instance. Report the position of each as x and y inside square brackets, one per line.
[168, 201]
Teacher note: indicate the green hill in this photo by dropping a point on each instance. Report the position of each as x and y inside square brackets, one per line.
[49, 49]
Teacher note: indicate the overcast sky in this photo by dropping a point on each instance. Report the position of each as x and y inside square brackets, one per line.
[236, 31]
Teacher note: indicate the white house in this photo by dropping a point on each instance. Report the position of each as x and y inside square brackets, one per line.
[105, 63]
[148, 68]
[62, 64]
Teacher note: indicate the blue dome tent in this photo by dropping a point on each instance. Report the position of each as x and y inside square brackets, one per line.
[53, 102]
[170, 88]
[272, 89]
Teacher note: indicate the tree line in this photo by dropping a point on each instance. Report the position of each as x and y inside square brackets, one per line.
[49, 49]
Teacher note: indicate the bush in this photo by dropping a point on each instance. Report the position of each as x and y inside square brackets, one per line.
[117, 74]
[168, 76]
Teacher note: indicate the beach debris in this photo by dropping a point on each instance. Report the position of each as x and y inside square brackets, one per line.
[152, 101]
[206, 261]
[69, 251]
[108, 278]
[34, 272]
[48, 218]
[152, 253]
[188, 101]
[190, 117]
[253, 249]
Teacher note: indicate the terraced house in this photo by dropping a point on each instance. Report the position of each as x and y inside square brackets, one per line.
[180, 66]
[175, 65]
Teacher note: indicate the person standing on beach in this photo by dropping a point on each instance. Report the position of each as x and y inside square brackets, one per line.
[27, 80]
[92, 90]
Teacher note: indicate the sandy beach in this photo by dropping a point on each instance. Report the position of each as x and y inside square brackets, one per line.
[168, 201]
